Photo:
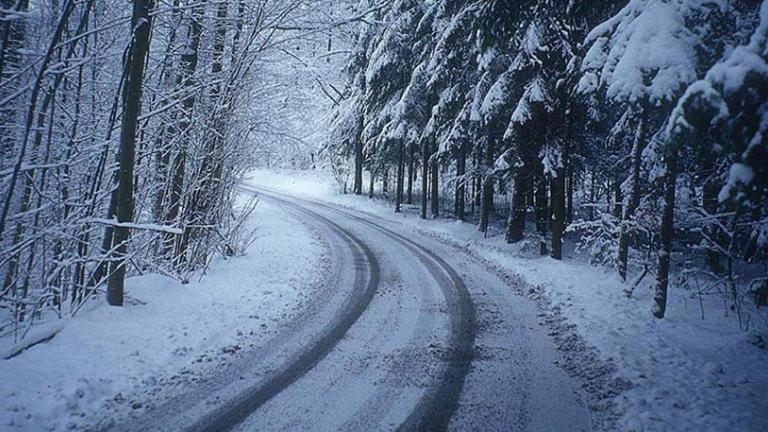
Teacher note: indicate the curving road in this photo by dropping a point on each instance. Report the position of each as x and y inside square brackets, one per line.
[410, 334]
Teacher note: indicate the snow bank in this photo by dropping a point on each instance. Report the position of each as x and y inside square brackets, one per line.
[110, 353]
[685, 373]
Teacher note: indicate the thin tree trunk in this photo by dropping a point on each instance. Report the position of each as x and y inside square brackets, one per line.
[569, 195]
[13, 37]
[559, 215]
[37, 88]
[411, 171]
[710, 204]
[516, 223]
[425, 152]
[542, 204]
[477, 181]
[385, 183]
[461, 188]
[400, 177]
[634, 199]
[667, 232]
[618, 199]
[371, 182]
[358, 186]
[486, 201]
[141, 22]
[435, 184]
[189, 62]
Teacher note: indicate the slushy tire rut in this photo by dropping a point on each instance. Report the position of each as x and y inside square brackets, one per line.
[236, 411]
[434, 409]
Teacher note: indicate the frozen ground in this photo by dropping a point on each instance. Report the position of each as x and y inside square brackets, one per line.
[682, 373]
[169, 333]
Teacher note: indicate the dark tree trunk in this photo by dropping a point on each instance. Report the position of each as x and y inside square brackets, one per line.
[425, 152]
[516, 224]
[201, 208]
[486, 202]
[667, 232]
[13, 37]
[618, 199]
[710, 204]
[542, 205]
[435, 182]
[478, 197]
[569, 195]
[189, 61]
[411, 171]
[358, 186]
[385, 183]
[634, 199]
[371, 182]
[461, 189]
[142, 23]
[400, 178]
[559, 213]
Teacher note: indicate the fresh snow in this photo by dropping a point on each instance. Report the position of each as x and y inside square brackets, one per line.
[682, 373]
[167, 329]
[645, 52]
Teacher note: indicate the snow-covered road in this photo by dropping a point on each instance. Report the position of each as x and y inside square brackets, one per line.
[378, 328]
[422, 338]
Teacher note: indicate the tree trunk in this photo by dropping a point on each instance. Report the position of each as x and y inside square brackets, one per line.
[569, 195]
[411, 171]
[385, 183]
[542, 205]
[516, 223]
[710, 204]
[667, 232]
[168, 132]
[559, 212]
[461, 188]
[424, 177]
[13, 37]
[141, 22]
[477, 197]
[400, 177]
[634, 199]
[486, 201]
[618, 199]
[203, 202]
[189, 61]
[371, 182]
[435, 182]
[358, 186]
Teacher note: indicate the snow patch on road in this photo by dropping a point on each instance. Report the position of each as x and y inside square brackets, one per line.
[109, 355]
[682, 373]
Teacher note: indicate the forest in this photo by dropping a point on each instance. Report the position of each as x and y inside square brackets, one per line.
[122, 151]
[636, 128]
[415, 215]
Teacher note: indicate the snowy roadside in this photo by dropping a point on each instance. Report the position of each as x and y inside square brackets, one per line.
[682, 373]
[168, 332]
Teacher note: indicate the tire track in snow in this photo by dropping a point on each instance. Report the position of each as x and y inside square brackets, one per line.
[434, 409]
[236, 411]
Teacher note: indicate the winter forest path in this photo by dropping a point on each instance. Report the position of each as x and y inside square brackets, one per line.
[411, 334]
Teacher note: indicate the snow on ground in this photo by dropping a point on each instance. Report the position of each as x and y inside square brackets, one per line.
[681, 373]
[166, 330]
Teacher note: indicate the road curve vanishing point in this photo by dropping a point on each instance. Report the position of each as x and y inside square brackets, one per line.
[434, 409]
[235, 411]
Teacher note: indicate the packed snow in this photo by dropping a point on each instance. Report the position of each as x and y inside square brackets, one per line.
[166, 330]
[695, 370]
